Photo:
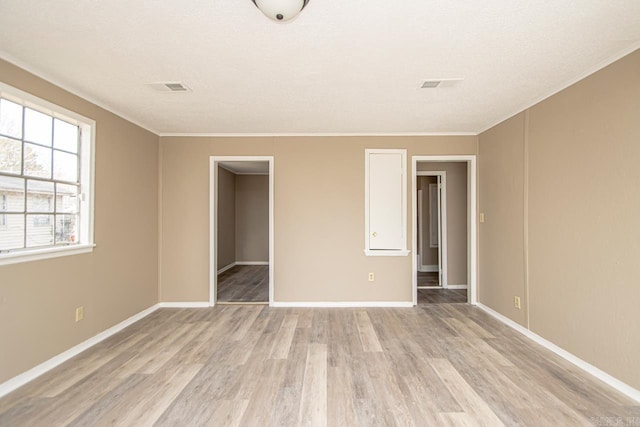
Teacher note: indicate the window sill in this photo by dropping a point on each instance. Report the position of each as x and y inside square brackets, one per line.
[388, 252]
[44, 253]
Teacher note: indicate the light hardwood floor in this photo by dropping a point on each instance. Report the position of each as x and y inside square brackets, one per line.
[442, 296]
[244, 283]
[436, 365]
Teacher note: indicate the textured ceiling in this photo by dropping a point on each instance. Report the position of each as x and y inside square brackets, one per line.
[340, 67]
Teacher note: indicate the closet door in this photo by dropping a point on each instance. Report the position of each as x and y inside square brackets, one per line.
[386, 201]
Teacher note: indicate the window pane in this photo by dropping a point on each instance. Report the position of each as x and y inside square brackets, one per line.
[10, 155]
[37, 127]
[11, 194]
[66, 229]
[39, 230]
[37, 161]
[65, 136]
[66, 198]
[12, 232]
[10, 118]
[39, 196]
[65, 166]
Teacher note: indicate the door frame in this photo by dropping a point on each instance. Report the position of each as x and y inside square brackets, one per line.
[442, 226]
[472, 220]
[213, 220]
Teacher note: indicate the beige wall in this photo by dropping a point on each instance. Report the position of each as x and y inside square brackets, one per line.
[580, 148]
[319, 215]
[501, 200]
[456, 218]
[226, 244]
[252, 218]
[119, 279]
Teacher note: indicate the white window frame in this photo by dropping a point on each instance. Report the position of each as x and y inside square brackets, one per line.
[87, 179]
[385, 252]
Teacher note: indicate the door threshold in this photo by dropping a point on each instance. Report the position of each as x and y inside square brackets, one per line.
[430, 287]
[241, 303]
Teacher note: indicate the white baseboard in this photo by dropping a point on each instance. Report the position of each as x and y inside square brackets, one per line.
[186, 304]
[586, 366]
[33, 373]
[456, 287]
[342, 304]
[233, 264]
[429, 269]
[227, 267]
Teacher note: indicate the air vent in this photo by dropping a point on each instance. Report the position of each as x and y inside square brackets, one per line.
[430, 84]
[438, 83]
[169, 87]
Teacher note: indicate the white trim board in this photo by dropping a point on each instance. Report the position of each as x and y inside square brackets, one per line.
[342, 304]
[585, 366]
[310, 134]
[457, 287]
[252, 263]
[33, 373]
[233, 264]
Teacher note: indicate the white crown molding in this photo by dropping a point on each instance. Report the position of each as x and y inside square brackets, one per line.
[316, 134]
[33, 373]
[610, 60]
[585, 366]
[54, 81]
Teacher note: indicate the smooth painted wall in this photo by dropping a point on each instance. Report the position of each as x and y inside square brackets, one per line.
[319, 215]
[573, 163]
[252, 218]
[119, 278]
[457, 223]
[226, 218]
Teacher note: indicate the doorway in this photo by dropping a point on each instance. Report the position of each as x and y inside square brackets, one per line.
[431, 229]
[241, 230]
[453, 276]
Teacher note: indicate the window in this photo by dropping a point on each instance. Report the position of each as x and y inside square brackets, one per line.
[3, 208]
[46, 162]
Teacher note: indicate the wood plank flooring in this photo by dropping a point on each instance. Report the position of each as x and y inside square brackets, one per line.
[441, 296]
[434, 365]
[244, 283]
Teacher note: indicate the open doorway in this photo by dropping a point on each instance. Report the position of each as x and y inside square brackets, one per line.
[444, 229]
[241, 238]
[431, 229]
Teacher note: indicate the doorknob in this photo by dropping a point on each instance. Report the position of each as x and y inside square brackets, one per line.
[374, 234]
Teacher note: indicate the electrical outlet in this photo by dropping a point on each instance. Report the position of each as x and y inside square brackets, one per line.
[516, 302]
[481, 217]
[372, 277]
[79, 313]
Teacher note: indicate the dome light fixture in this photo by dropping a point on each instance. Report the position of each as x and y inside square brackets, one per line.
[280, 10]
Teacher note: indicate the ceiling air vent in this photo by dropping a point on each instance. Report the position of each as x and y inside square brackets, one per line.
[430, 84]
[169, 87]
[438, 83]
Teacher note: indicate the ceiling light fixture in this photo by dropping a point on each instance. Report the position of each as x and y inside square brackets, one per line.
[281, 10]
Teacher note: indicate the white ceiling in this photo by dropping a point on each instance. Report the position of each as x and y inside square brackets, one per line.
[340, 67]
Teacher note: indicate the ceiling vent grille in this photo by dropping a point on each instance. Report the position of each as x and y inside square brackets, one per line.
[438, 83]
[430, 84]
[169, 87]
